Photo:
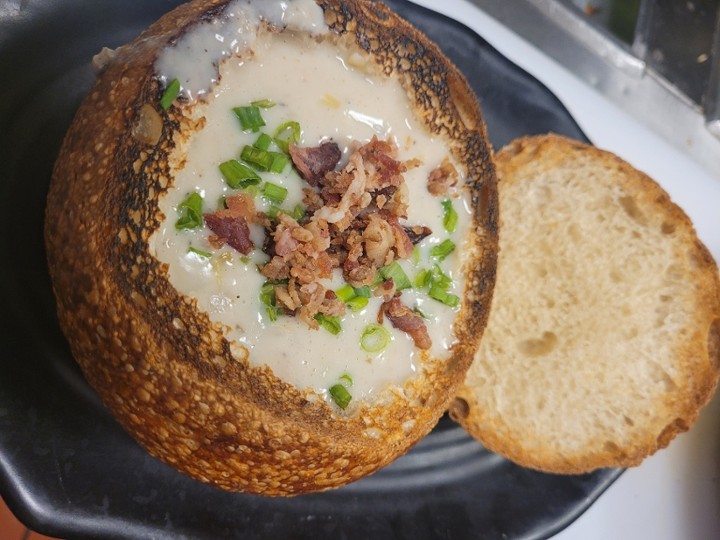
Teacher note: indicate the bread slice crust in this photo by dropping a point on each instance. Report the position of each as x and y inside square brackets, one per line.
[604, 337]
[160, 365]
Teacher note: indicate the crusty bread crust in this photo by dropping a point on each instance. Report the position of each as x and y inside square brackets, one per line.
[160, 365]
[587, 362]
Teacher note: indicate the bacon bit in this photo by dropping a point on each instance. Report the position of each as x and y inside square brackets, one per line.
[352, 224]
[241, 205]
[386, 289]
[233, 230]
[440, 180]
[314, 163]
[417, 233]
[403, 244]
[406, 320]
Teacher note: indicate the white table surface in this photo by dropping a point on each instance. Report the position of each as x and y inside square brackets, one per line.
[675, 494]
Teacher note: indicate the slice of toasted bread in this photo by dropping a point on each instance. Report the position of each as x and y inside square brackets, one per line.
[604, 336]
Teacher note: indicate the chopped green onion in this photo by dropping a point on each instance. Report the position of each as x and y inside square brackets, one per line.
[267, 298]
[340, 395]
[298, 212]
[260, 159]
[443, 249]
[374, 338]
[450, 216]
[263, 103]
[252, 190]
[416, 255]
[263, 141]
[422, 279]
[250, 117]
[273, 212]
[171, 92]
[346, 292]
[443, 296]
[245, 259]
[357, 303]
[439, 279]
[279, 162]
[329, 323]
[355, 299]
[286, 134]
[395, 272]
[192, 218]
[200, 252]
[346, 377]
[238, 175]
[363, 291]
[274, 193]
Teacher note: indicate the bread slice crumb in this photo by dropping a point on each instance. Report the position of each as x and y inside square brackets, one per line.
[604, 336]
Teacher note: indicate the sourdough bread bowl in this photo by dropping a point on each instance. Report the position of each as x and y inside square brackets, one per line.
[604, 338]
[137, 288]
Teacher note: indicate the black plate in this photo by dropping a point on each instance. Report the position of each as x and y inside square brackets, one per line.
[67, 469]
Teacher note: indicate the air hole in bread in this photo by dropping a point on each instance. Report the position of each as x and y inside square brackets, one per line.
[629, 421]
[538, 346]
[667, 228]
[631, 209]
[459, 409]
[714, 344]
[611, 447]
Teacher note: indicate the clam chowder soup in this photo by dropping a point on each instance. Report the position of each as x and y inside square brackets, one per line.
[310, 213]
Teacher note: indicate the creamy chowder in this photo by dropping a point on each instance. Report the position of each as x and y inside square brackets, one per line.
[332, 96]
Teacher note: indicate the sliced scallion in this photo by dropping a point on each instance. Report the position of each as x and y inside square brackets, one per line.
[286, 134]
[171, 92]
[279, 162]
[443, 249]
[263, 141]
[192, 216]
[263, 103]
[238, 175]
[441, 295]
[200, 252]
[340, 395]
[250, 117]
[363, 291]
[450, 216]
[416, 255]
[329, 322]
[346, 292]
[395, 272]
[357, 303]
[262, 160]
[374, 338]
[346, 378]
[298, 212]
[274, 193]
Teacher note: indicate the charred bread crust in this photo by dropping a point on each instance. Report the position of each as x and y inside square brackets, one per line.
[160, 365]
[697, 355]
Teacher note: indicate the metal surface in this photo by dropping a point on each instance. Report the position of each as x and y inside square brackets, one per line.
[635, 78]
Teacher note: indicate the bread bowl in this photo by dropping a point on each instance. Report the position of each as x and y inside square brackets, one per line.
[183, 380]
[603, 343]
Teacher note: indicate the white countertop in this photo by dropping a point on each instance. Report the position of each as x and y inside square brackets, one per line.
[674, 494]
